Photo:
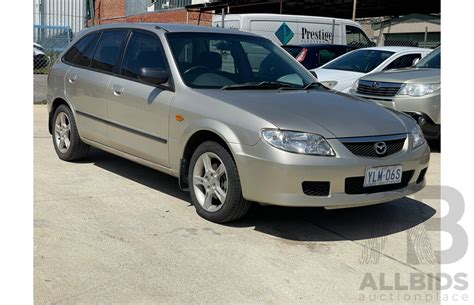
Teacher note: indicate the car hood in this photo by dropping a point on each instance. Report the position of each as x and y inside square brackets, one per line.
[411, 75]
[326, 112]
[337, 75]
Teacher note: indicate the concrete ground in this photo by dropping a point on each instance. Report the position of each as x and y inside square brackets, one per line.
[108, 231]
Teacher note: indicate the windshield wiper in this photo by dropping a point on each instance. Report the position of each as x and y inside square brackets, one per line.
[305, 87]
[258, 85]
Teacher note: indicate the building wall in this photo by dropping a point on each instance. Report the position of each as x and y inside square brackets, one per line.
[111, 11]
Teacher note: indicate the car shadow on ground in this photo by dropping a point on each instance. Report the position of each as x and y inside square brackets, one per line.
[294, 224]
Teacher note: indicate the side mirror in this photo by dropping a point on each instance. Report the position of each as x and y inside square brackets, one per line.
[154, 76]
[314, 74]
[415, 61]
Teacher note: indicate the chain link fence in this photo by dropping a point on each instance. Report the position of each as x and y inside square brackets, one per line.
[48, 43]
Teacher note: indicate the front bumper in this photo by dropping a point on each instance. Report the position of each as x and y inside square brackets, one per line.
[272, 176]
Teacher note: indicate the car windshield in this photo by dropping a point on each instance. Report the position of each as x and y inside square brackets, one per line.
[362, 61]
[216, 60]
[432, 60]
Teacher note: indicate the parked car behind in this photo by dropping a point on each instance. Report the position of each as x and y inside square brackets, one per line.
[315, 55]
[189, 101]
[341, 73]
[416, 91]
[40, 59]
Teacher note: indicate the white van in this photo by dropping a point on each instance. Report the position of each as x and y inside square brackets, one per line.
[296, 30]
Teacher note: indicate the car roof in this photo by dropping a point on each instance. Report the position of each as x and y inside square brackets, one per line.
[397, 49]
[168, 27]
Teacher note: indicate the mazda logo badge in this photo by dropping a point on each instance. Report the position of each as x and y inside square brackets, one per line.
[375, 85]
[380, 148]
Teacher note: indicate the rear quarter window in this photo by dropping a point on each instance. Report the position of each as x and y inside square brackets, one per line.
[81, 50]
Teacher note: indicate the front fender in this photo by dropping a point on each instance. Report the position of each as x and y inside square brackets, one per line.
[230, 134]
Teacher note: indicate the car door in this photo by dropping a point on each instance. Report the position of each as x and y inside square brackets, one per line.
[83, 89]
[87, 82]
[138, 111]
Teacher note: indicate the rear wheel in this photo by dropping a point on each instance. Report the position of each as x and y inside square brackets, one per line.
[67, 143]
[215, 184]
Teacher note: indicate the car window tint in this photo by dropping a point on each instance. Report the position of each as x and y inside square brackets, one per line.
[432, 60]
[403, 61]
[326, 56]
[256, 54]
[227, 60]
[83, 46]
[143, 51]
[362, 60]
[214, 60]
[108, 49]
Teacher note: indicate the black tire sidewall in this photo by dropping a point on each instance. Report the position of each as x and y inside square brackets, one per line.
[234, 191]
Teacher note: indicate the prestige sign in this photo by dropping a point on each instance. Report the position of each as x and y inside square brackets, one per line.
[320, 35]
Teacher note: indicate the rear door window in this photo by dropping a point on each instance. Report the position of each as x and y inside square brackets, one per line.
[108, 49]
[82, 51]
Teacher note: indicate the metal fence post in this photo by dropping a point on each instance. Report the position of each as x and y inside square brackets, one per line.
[426, 37]
[333, 29]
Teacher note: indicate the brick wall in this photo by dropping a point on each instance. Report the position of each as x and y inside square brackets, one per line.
[112, 11]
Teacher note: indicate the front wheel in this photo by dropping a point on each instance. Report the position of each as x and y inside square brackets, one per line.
[215, 184]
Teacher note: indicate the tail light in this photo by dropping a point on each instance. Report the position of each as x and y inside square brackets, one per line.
[302, 55]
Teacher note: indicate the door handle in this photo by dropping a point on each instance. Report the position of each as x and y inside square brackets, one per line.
[71, 78]
[117, 90]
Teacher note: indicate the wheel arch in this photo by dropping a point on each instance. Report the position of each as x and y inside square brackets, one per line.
[54, 105]
[196, 139]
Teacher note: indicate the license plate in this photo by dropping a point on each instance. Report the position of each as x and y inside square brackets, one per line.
[383, 175]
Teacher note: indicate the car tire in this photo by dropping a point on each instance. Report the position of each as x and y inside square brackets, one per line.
[66, 140]
[214, 184]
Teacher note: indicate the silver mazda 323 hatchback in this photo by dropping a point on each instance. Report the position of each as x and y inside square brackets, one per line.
[233, 116]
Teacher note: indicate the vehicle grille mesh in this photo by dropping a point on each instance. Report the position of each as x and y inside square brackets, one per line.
[367, 149]
[378, 88]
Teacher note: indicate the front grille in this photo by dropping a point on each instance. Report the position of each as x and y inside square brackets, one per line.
[378, 88]
[316, 188]
[367, 148]
[421, 177]
[355, 185]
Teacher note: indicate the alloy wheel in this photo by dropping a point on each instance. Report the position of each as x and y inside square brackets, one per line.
[210, 182]
[62, 132]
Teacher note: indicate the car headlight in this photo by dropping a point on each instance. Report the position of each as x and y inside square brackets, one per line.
[329, 83]
[418, 138]
[355, 85]
[298, 142]
[419, 89]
